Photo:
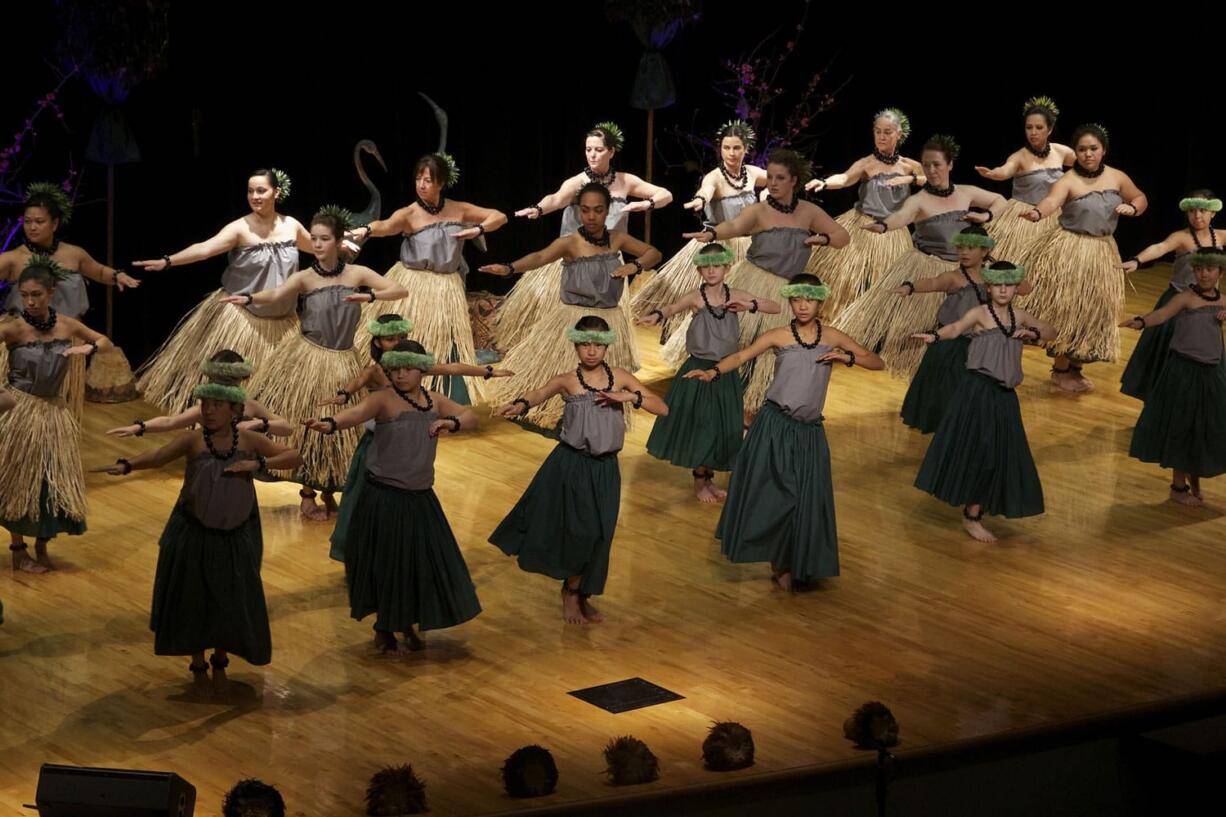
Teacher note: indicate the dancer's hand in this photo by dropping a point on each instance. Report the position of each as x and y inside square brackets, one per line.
[705, 375]
[1133, 323]
[322, 426]
[815, 185]
[693, 204]
[334, 400]
[875, 227]
[252, 424]
[640, 206]
[605, 398]
[1221, 315]
[83, 349]
[467, 233]
[738, 305]
[124, 281]
[819, 240]
[926, 337]
[497, 269]
[1031, 215]
[834, 355]
[976, 218]
[624, 271]
[237, 300]
[124, 431]
[530, 213]
[1127, 266]
[653, 319]
[242, 467]
[441, 426]
[155, 265]
[360, 298]
[1027, 334]
[115, 469]
[509, 410]
[502, 373]
[1126, 209]
[701, 235]
[899, 181]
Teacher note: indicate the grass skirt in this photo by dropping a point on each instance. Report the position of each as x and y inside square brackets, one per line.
[780, 505]
[940, 371]
[676, 278]
[979, 454]
[207, 593]
[1149, 355]
[1015, 235]
[166, 380]
[704, 424]
[1183, 423]
[563, 524]
[850, 271]
[1078, 291]
[884, 322]
[532, 295]
[438, 306]
[403, 564]
[40, 460]
[291, 385]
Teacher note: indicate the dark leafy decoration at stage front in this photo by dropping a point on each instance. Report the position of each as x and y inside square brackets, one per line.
[872, 726]
[396, 790]
[729, 746]
[630, 762]
[530, 772]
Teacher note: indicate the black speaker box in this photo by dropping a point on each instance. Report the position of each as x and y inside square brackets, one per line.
[76, 791]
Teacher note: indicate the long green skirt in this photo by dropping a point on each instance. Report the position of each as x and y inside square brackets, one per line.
[979, 454]
[780, 505]
[563, 524]
[703, 427]
[1149, 355]
[403, 564]
[48, 524]
[354, 481]
[940, 370]
[1183, 423]
[207, 592]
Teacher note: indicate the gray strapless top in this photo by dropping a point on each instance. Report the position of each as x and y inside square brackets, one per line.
[258, 267]
[800, 383]
[326, 319]
[591, 427]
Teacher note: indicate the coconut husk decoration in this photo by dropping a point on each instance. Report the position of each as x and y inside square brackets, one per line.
[872, 726]
[729, 746]
[530, 772]
[630, 762]
[396, 790]
[110, 379]
[481, 309]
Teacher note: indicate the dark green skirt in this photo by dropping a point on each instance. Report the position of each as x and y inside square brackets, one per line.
[563, 524]
[979, 454]
[47, 525]
[403, 564]
[703, 428]
[207, 592]
[354, 480]
[941, 369]
[1149, 355]
[1183, 423]
[780, 505]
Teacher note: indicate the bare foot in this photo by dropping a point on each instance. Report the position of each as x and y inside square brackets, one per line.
[1082, 383]
[572, 608]
[330, 505]
[719, 494]
[589, 612]
[41, 556]
[312, 512]
[23, 562]
[412, 641]
[1186, 498]
[200, 681]
[705, 494]
[783, 578]
[977, 531]
[385, 642]
[1065, 381]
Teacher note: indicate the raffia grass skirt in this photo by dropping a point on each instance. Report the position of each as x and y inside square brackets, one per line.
[291, 385]
[438, 307]
[881, 320]
[531, 296]
[1078, 291]
[166, 380]
[677, 277]
[1015, 235]
[40, 459]
[849, 272]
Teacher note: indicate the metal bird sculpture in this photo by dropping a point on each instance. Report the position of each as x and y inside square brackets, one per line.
[441, 117]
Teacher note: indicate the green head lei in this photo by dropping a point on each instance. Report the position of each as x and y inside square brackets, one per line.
[591, 336]
[904, 123]
[1011, 274]
[1208, 258]
[57, 194]
[380, 329]
[812, 292]
[453, 170]
[219, 391]
[282, 180]
[711, 259]
[966, 238]
[616, 139]
[41, 259]
[1212, 205]
[1041, 103]
[739, 128]
[232, 371]
[422, 361]
[342, 216]
[946, 145]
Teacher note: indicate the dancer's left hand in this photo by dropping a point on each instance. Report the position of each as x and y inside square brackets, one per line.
[976, 218]
[834, 355]
[124, 281]
[242, 467]
[624, 271]
[441, 426]
[83, 349]
[467, 233]
[640, 206]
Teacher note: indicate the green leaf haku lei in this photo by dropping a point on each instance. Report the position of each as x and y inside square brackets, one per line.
[1003, 275]
[812, 292]
[407, 360]
[1193, 203]
[591, 336]
[965, 239]
[218, 391]
[283, 183]
[712, 259]
[40, 259]
[380, 329]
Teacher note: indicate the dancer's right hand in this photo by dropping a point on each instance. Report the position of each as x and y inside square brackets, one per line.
[115, 469]
[927, 337]
[701, 235]
[155, 265]
[497, 269]
[1127, 266]
[508, 410]
[815, 185]
[692, 204]
[530, 213]
[705, 375]
[124, 431]
[334, 400]
[316, 424]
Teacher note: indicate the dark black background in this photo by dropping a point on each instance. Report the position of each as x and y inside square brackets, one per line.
[295, 86]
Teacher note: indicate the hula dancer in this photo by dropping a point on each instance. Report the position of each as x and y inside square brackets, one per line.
[878, 319]
[46, 209]
[262, 249]
[1077, 286]
[593, 282]
[535, 293]
[563, 525]
[979, 457]
[885, 178]
[1182, 425]
[385, 332]
[1149, 355]
[703, 429]
[724, 192]
[780, 506]
[40, 458]
[1034, 168]
[328, 297]
[784, 229]
[207, 592]
[226, 368]
[402, 562]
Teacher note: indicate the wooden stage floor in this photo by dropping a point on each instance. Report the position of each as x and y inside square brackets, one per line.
[1114, 598]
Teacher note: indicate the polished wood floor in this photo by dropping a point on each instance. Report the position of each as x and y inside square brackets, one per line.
[1111, 599]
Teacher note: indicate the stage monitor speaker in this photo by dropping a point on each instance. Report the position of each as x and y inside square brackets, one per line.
[76, 791]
